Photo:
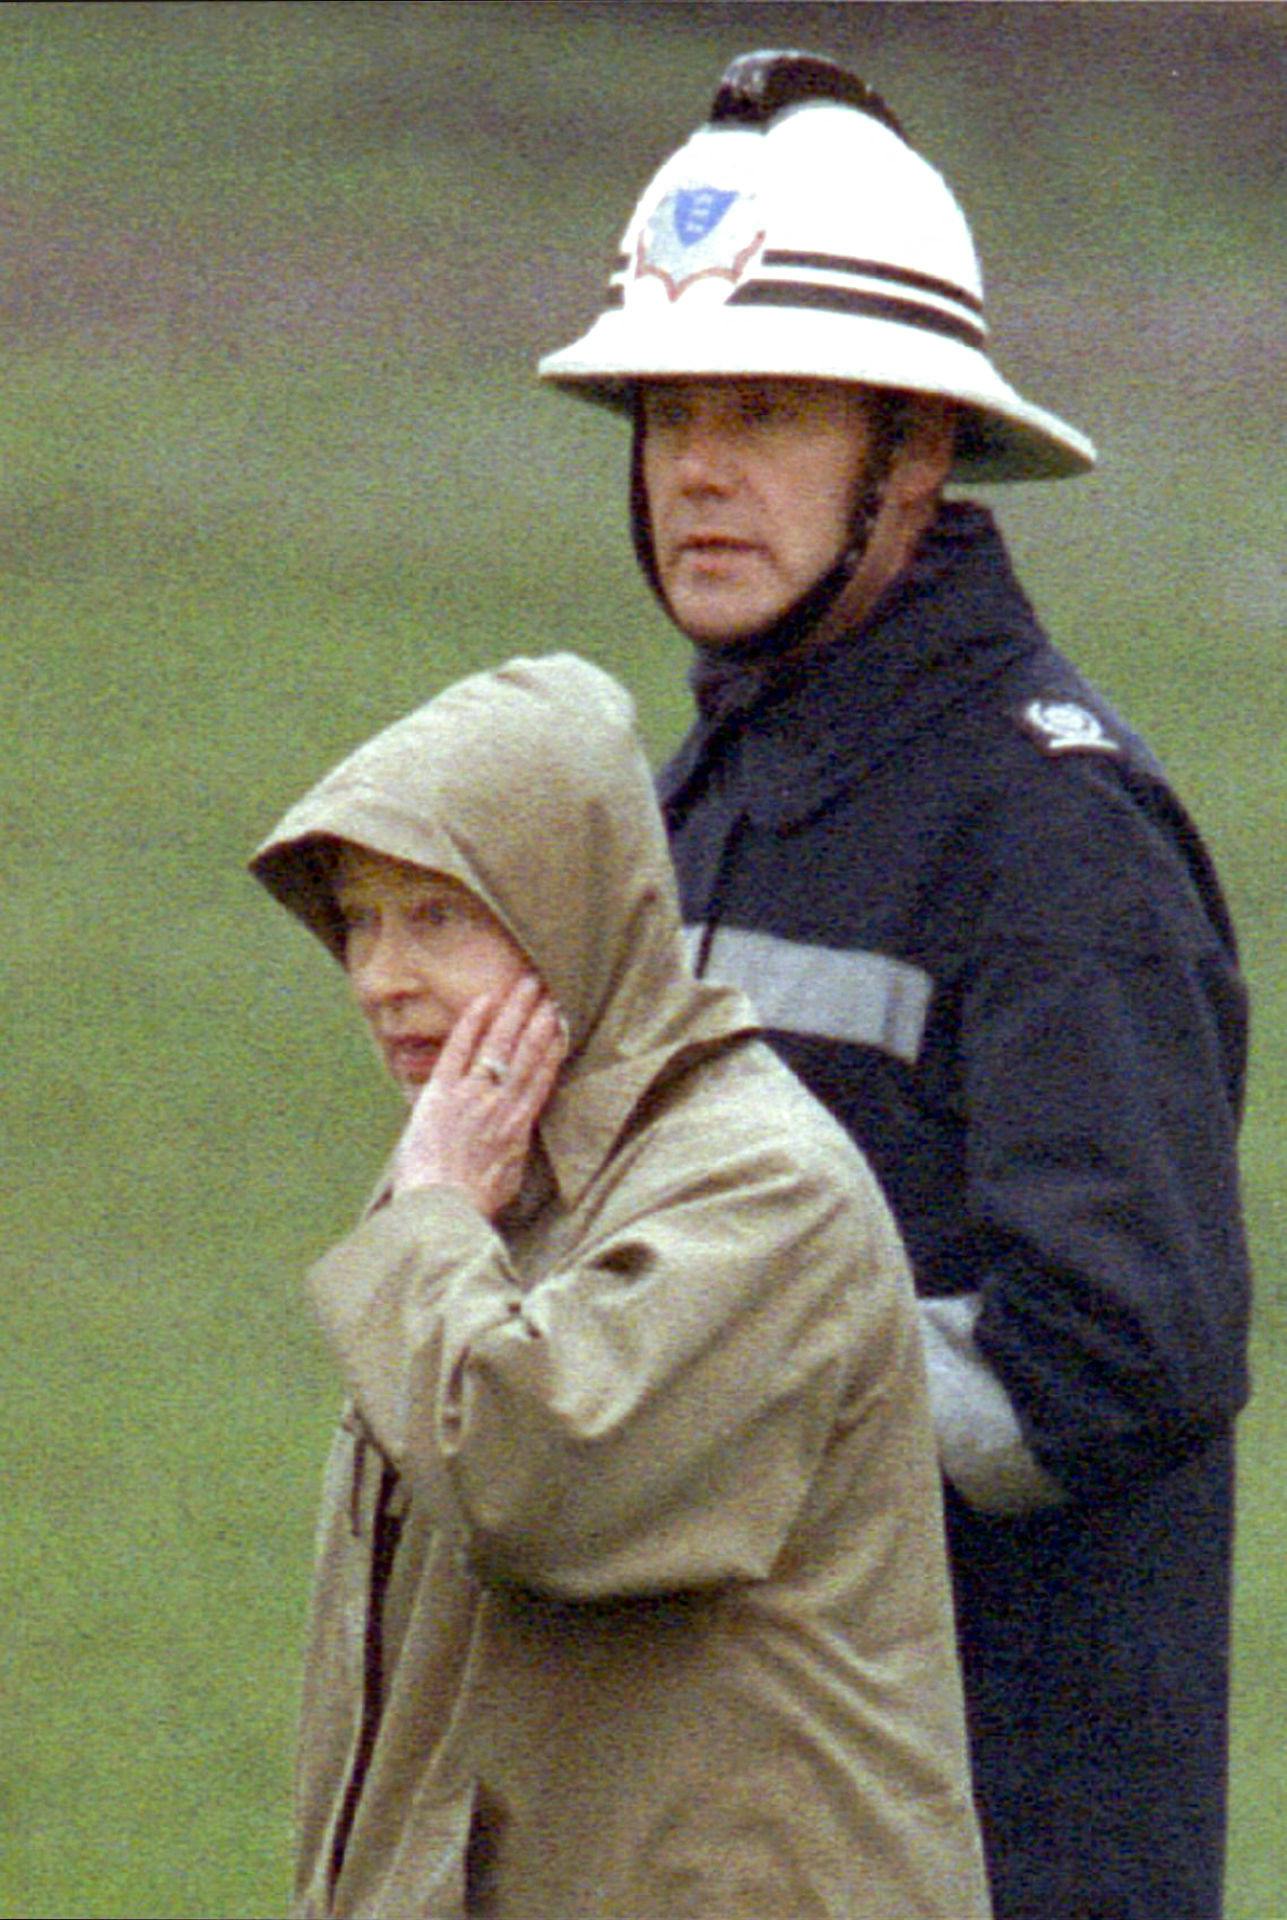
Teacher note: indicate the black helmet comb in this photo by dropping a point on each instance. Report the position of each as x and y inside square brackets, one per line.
[756, 86]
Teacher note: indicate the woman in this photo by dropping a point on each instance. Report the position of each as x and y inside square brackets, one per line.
[631, 1595]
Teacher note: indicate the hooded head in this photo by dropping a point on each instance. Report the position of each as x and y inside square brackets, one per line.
[527, 785]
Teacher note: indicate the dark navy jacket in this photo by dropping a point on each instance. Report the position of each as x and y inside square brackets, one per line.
[978, 924]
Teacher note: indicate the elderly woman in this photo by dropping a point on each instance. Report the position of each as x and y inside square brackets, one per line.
[631, 1599]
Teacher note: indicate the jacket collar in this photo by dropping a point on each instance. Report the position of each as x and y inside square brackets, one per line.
[823, 719]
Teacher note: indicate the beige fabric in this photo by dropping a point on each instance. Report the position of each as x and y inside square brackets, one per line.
[667, 1634]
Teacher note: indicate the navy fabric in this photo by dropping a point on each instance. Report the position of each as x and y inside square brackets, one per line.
[1064, 1144]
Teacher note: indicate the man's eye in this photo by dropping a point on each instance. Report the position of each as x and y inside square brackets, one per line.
[758, 409]
[664, 412]
[762, 407]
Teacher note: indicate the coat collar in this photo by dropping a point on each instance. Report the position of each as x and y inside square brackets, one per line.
[597, 1098]
[807, 726]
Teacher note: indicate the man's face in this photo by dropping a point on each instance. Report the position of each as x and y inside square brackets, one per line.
[752, 486]
[417, 949]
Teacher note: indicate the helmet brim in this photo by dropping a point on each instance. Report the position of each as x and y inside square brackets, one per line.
[1001, 436]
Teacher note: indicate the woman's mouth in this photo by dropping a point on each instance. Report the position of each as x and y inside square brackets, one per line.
[411, 1057]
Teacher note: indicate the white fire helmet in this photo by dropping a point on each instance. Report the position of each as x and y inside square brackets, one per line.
[798, 234]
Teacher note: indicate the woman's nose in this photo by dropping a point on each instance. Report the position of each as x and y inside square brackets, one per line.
[382, 969]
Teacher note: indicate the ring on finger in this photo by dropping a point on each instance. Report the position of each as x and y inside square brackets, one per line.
[496, 1070]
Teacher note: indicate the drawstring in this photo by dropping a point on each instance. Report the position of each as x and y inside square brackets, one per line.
[355, 1491]
[352, 1421]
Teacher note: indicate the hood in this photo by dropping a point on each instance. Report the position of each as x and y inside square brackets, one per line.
[528, 785]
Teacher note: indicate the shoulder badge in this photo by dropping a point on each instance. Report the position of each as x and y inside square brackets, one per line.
[1062, 726]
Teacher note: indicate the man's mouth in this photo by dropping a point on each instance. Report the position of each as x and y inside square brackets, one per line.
[712, 552]
[715, 543]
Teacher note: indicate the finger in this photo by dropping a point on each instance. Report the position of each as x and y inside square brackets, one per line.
[514, 1040]
[546, 1068]
[510, 1015]
[464, 1041]
[537, 1061]
[542, 1042]
[501, 1055]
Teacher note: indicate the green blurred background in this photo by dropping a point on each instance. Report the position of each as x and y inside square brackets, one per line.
[274, 468]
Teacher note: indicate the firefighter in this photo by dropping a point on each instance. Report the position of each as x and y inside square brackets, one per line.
[978, 923]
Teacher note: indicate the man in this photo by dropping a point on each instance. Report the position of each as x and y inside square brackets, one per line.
[976, 921]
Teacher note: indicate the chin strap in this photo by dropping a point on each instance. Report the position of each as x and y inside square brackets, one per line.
[806, 620]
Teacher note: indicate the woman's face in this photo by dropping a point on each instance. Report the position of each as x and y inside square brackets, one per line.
[418, 947]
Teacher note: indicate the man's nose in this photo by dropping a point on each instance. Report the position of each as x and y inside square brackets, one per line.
[705, 454]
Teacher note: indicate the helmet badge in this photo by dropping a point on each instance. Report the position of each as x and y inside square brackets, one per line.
[699, 233]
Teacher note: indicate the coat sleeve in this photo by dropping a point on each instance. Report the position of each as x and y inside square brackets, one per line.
[1102, 1041]
[649, 1416]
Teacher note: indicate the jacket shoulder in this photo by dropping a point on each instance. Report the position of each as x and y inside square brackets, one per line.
[1084, 815]
[1044, 707]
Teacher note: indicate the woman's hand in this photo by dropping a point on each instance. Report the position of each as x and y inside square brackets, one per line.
[471, 1126]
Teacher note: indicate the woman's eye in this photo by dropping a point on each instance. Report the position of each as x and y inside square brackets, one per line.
[432, 914]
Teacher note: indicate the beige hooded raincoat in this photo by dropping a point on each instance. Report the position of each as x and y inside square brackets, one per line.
[631, 1596]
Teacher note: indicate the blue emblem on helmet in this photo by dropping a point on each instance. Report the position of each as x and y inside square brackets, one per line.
[697, 232]
[697, 211]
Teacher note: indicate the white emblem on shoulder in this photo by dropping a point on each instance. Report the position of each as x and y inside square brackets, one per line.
[1064, 727]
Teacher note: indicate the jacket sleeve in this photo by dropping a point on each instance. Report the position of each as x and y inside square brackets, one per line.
[649, 1416]
[1102, 1041]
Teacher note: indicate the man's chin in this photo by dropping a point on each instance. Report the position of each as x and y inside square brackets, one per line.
[718, 603]
[709, 626]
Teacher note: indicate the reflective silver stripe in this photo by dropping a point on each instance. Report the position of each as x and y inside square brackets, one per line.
[866, 998]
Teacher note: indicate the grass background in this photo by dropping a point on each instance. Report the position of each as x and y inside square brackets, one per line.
[272, 281]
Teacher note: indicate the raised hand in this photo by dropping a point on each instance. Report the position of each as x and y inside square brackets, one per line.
[472, 1122]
